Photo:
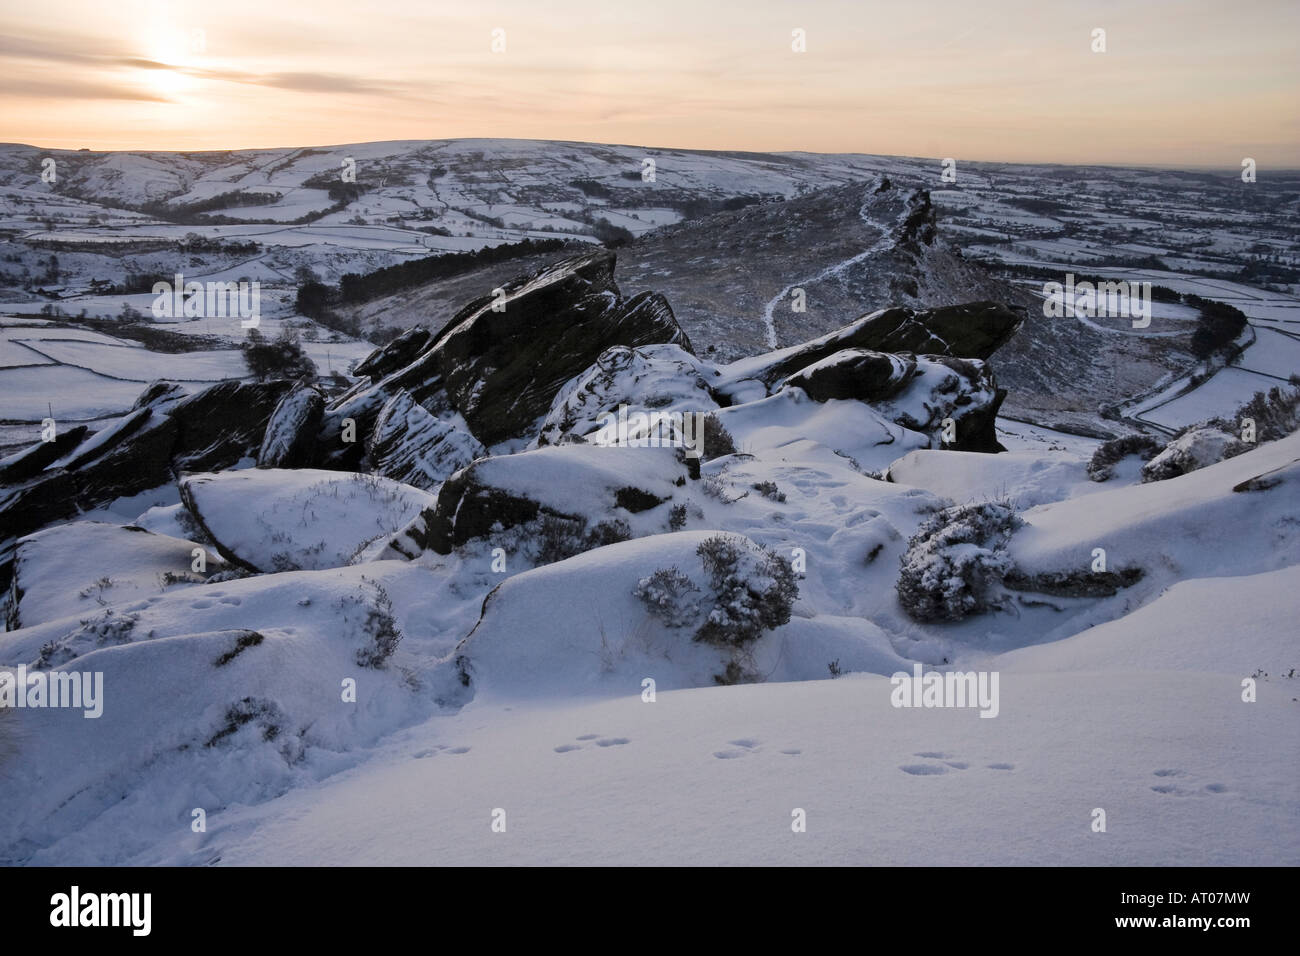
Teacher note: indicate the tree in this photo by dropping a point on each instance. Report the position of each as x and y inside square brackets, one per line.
[281, 357]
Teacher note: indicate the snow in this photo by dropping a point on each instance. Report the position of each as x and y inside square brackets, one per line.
[275, 519]
[85, 565]
[1036, 478]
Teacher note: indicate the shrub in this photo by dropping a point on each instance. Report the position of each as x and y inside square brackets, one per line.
[751, 595]
[770, 491]
[1111, 453]
[667, 593]
[717, 440]
[379, 626]
[750, 589]
[1276, 413]
[955, 563]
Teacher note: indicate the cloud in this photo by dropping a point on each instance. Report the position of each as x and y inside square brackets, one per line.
[71, 89]
[67, 48]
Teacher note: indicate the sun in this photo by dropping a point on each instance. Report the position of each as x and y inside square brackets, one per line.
[175, 49]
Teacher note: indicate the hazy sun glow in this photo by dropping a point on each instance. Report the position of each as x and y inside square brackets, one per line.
[1189, 82]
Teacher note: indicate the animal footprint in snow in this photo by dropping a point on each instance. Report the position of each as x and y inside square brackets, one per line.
[457, 750]
[588, 736]
[567, 748]
[950, 762]
[612, 742]
[748, 746]
[1177, 791]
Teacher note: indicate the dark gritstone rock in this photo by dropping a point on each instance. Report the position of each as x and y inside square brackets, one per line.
[410, 445]
[396, 354]
[860, 374]
[224, 423]
[147, 447]
[31, 462]
[1088, 584]
[468, 510]
[502, 369]
[974, 330]
[575, 483]
[290, 439]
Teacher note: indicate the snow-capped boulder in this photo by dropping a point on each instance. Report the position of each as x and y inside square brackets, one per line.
[1192, 450]
[942, 387]
[690, 609]
[145, 448]
[410, 445]
[290, 439]
[862, 374]
[1159, 532]
[577, 485]
[84, 566]
[975, 330]
[280, 520]
[654, 379]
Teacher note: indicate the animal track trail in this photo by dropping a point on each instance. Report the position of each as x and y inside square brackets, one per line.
[600, 742]
[744, 746]
[947, 763]
[1174, 790]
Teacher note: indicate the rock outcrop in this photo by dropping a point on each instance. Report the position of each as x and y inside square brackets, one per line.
[580, 484]
[502, 358]
[290, 438]
[410, 445]
[975, 330]
[163, 436]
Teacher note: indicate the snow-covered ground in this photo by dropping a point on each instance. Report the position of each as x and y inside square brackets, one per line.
[230, 697]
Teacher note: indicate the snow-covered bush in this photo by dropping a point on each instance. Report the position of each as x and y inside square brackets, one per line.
[378, 627]
[749, 590]
[955, 562]
[670, 596]
[753, 593]
[1276, 413]
[1111, 453]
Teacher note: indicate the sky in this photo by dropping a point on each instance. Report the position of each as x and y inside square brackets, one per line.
[1188, 83]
